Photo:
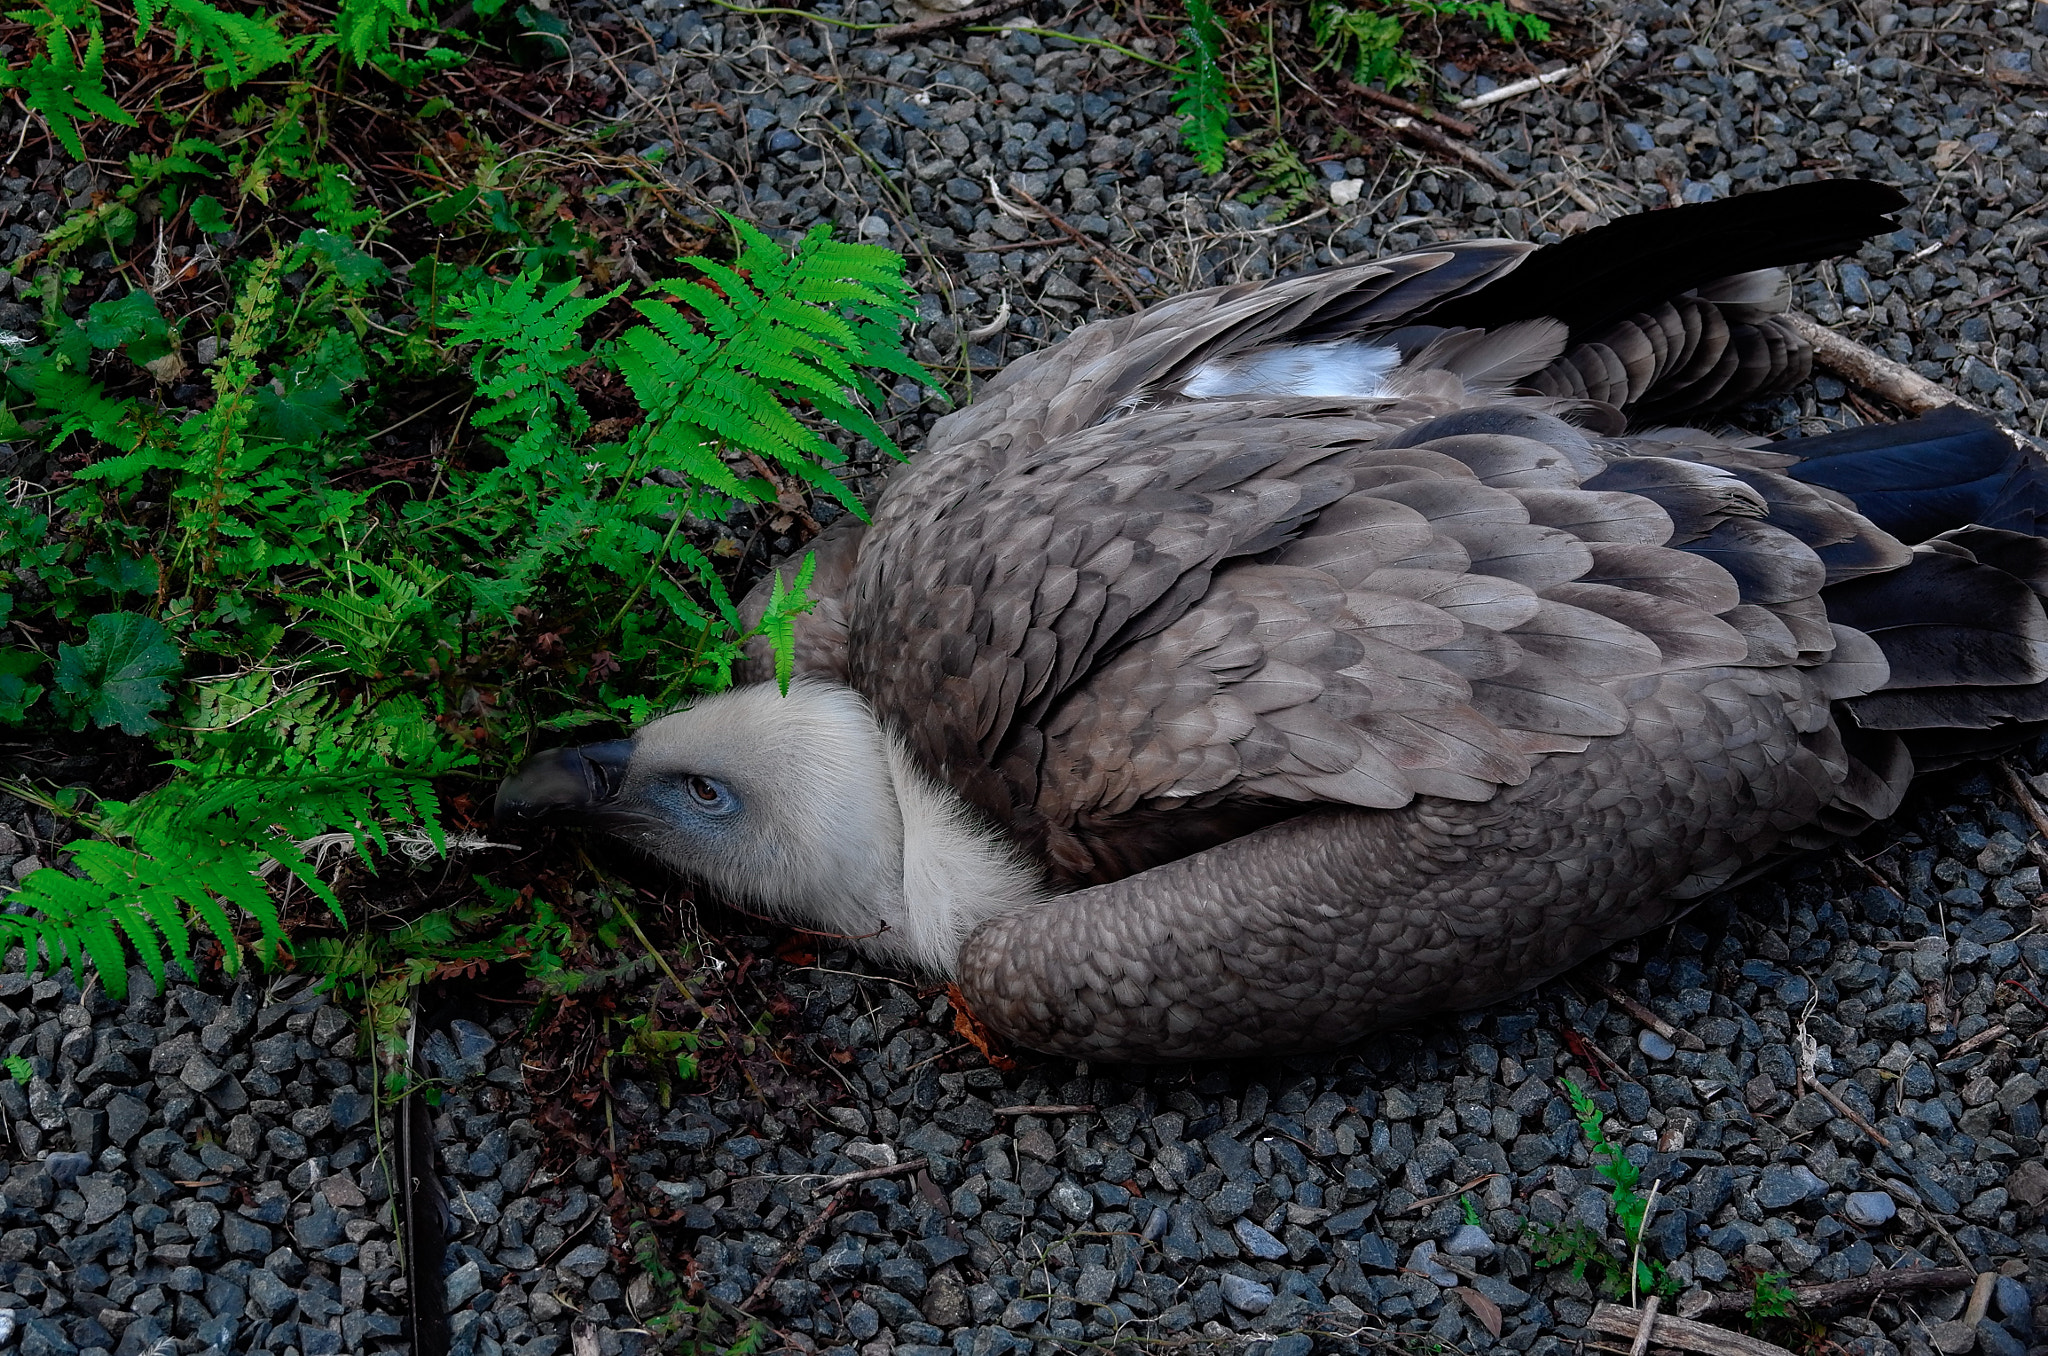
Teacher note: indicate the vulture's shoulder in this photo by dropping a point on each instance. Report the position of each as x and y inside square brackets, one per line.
[1266, 602]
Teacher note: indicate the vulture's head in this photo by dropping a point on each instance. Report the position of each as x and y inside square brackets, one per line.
[798, 806]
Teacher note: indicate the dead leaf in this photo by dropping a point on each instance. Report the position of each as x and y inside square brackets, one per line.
[1483, 1309]
[1947, 153]
[976, 1034]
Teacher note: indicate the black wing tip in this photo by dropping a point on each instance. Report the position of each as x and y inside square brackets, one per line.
[1612, 271]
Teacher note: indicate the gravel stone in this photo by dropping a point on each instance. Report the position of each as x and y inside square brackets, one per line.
[1245, 1295]
[1869, 1209]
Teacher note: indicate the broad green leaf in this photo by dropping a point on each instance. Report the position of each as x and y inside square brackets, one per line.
[117, 677]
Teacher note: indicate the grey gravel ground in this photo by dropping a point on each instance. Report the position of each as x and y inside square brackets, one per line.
[230, 1198]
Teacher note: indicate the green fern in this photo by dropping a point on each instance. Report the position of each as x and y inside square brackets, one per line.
[1771, 1297]
[1202, 96]
[274, 770]
[778, 330]
[240, 47]
[68, 88]
[1574, 1244]
[20, 1069]
[1371, 42]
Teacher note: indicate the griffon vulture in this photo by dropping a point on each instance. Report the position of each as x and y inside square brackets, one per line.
[1295, 659]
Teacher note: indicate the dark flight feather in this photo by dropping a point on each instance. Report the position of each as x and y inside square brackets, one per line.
[1613, 271]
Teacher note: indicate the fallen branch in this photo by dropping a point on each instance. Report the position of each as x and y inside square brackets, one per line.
[939, 23]
[1423, 134]
[1678, 1036]
[847, 1179]
[2027, 802]
[794, 1250]
[1095, 255]
[1617, 1320]
[1400, 105]
[1981, 1039]
[1835, 1294]
[1641, 1343]
[1520, 87]
[1451, 1195]
[1871, 370]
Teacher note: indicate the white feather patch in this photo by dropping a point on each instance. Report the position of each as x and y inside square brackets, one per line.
[1347, 369]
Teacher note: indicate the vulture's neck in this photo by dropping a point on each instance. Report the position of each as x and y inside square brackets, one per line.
[957, 872]
[906, 866]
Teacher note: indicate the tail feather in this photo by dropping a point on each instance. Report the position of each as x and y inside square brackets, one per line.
[1949, 469]
[1962, 624]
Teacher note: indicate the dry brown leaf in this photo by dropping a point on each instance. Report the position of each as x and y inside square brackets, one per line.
[975, 1033]
[1484, 1309]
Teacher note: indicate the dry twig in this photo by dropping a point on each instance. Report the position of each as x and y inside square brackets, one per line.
[1855, 1290]
[1871, 370]
[1520, 87]
[1678, 1036]
[1618, 1320]
[1423, 134]
[939, 23]
[1413, 110]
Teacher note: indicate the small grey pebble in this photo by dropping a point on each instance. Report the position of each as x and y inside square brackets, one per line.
[1246, 1296]
[65, 1168]
[1258, 1242]
[1870, 1209]
[1470, 1241]
[1655, 1046]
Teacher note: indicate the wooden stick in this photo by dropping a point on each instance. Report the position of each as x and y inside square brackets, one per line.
[1515, 91]
[1048, 1110]
[1085, 243]
[1847, 1112]
[845, 1180]
[1619, 1320]
[2026, 799]
[1423, 134]
[1400, 105]
[1835, 1294]
[794, 1250]
[1982, 1038]
[1871, 370]
[1450, 1195]
[939, 23]
[1642, 1342]
[1649, 1018]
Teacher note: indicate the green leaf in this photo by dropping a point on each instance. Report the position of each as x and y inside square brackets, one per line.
[356, 270]
[17, 693]
[239, 45]
[132, 324]
[117, 676]
[302, 415]
[122, 574]
[208, 216]
[20, 1069]
[68, 91]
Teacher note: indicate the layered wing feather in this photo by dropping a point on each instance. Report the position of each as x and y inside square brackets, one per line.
[1211, 612]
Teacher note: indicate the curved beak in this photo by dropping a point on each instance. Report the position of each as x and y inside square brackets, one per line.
[563, 785]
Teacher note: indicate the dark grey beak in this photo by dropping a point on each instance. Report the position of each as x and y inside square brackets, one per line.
[563, 785]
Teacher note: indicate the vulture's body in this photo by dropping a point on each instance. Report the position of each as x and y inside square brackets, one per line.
[1290, 661]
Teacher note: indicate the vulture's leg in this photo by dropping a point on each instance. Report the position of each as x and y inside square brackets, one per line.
[1315, 931]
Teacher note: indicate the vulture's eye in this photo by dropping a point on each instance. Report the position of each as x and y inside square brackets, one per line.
[709, 795]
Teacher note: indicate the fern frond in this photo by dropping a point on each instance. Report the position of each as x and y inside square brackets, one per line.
[1203, 96]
